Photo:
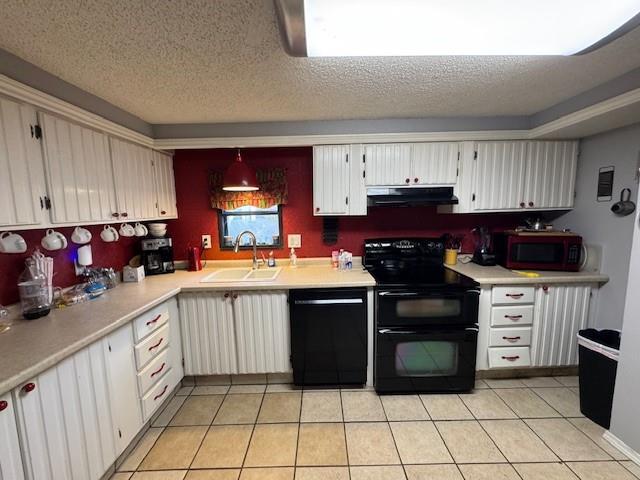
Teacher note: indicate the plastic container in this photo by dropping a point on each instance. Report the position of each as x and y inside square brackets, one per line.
[598, 351]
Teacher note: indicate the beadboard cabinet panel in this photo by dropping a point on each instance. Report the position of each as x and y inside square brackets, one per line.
[134, 181]
[262, 331]
[79, 174]
[560, 312]
[10, 456]
[208, 334]
[500, 169]
[550, 175]
[434, 163]
[165, 185]
[388, 164]
[22, 186]
[331, 180]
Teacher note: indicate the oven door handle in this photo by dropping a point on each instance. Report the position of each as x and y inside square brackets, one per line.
[429, 295]
[398, 294]
[397, 332]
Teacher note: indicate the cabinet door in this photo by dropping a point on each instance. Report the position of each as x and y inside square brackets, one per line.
[165, 185]
[434, 163]
[262, 331]
[357, 185]
[10, 457]
[551, 174]
[22, 190]
[123, 386]
[64, 416]
[134, 181]
[331, 180]
[388, 164]
[560, 311]
[175, 344]
[79, 173]
[208, 336]
[500, 170]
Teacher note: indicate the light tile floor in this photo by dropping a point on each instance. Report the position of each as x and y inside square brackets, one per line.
[245, 428]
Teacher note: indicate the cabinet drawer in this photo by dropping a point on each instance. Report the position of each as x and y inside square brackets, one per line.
[512, 295]
[510, 337]
[512, 316]
[150, 321]
[151, 346]
[509, 357]
[154, 371]
[154, 397]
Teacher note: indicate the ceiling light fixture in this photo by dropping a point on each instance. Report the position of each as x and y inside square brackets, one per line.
[360, 28]
[239, 177]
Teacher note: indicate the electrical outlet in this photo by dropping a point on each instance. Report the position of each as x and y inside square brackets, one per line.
[294, 240]
[206, 242]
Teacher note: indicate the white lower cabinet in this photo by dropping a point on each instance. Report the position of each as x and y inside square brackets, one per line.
[531, 326]
[560, 312]
[235, 332]
[76, 418]
[10, 457]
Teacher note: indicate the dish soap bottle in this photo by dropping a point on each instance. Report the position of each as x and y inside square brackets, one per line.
[272, 260]
[293, 258]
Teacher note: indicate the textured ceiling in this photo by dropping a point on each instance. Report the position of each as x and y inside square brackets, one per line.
[221, 61]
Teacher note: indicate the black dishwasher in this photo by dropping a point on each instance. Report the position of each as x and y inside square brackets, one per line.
[329, 336]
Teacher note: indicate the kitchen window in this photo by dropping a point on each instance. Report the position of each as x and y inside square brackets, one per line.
[265, 223]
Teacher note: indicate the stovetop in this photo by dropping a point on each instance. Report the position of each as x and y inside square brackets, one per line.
[411, 262]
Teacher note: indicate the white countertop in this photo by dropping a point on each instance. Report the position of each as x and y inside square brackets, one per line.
[498, 275]
[31, 346]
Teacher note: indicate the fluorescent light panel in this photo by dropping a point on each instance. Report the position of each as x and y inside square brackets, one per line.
[338, 28]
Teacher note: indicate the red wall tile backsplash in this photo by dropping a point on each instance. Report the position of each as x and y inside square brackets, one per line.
[196, 217]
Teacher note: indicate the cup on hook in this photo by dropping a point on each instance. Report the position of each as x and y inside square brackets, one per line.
[80, 236]
[126, 230]
[109, 234]
[140, 230]
[12, 243]
[53, 240]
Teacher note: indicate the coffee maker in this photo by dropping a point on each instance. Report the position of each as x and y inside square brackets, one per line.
[157, 256]
[482, 254]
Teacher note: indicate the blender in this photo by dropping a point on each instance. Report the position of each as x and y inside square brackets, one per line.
[482, 254]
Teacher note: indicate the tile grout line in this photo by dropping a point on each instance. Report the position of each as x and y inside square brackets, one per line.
[253, 429]
[344, 432]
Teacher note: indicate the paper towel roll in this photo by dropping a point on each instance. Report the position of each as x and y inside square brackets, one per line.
[85, 257]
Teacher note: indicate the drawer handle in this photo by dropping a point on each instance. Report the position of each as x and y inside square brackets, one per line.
[152, 347]
[29, 387]
[161, 393]
[515, 295]
[154, 320]
[511, 339]
[3, 405]
[512, 358]
[158, 371]
[513, 317]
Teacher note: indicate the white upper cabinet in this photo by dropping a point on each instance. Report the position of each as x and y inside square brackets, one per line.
[388, 164]
[22, 187]
[499, 180]
[434, 163]
[134, 181]
[79, 173]
[165, 185]
[331, 180]
[550, 175]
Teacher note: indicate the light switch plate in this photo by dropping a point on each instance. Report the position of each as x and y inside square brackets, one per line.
[294, 240]
[206, 242]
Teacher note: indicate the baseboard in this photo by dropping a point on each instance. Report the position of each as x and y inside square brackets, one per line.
[527, 372]
[623, 447]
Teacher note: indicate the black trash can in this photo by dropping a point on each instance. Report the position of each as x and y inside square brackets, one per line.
[598, 352]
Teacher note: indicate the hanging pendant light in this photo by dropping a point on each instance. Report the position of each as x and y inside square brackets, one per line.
[239, 177]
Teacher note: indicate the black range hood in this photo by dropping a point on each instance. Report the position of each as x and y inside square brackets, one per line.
[410, 196]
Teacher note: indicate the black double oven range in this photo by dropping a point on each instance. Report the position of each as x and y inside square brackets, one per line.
[426, 318]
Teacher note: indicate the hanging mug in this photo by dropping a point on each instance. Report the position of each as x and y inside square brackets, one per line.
[140, 230]
[625, 206]
[12, 243]
[53, 240]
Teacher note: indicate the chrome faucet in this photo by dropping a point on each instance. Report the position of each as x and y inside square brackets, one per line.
[254, 242]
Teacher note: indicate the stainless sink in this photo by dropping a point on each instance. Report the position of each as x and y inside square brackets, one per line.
[242, 275]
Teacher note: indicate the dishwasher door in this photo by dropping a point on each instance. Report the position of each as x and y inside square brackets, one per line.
[329, 336]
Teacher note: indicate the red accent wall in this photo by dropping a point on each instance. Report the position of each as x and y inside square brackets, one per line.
[196, 216]
[116, 254]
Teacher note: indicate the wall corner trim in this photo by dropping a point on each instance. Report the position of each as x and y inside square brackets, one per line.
[623, 447]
